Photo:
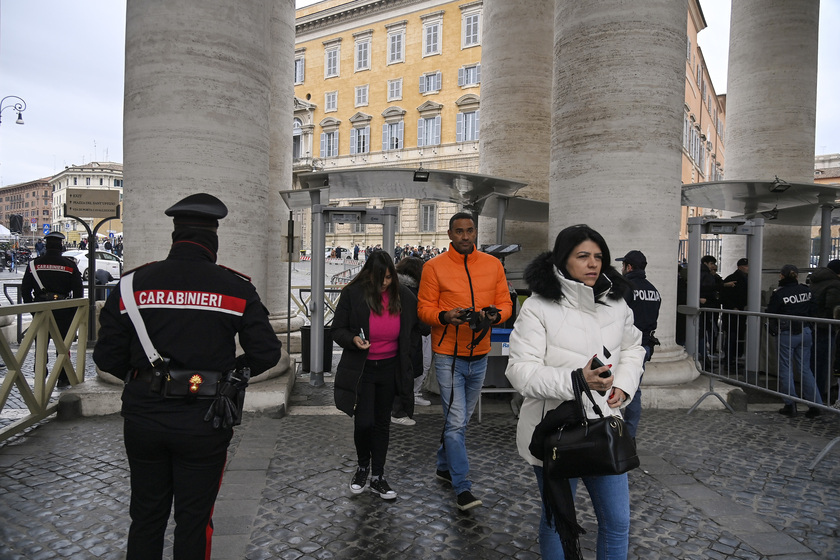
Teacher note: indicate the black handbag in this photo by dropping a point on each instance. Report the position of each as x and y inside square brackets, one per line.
[586, 446]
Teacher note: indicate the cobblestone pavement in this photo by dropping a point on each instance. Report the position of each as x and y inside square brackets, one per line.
[712, 485]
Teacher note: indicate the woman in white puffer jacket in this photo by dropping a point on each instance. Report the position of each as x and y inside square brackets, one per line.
[576, 312]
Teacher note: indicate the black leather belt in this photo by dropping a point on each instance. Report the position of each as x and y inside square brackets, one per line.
[143, 374]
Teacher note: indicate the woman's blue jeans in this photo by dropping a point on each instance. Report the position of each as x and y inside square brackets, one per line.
[610, 497]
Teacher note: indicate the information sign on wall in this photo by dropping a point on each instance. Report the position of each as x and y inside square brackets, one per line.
[92, 203]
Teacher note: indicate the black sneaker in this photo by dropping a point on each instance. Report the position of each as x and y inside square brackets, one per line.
[359, 480]
[788, 410]
[378, 485]
[467, 501]
[443, 476]
[813, 412]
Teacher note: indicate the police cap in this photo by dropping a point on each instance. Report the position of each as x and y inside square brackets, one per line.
[55, 235]
[636, 259]
[54, 239]
[198, 210]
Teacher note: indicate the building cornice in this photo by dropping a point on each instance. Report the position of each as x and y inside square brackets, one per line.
[349, 12]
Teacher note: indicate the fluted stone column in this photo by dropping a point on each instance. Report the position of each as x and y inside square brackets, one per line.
[197, 99]
[280, 165]
[517, 59]
[771, 108]
[616, 141]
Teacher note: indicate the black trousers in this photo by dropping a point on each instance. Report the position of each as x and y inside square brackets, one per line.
[167, 465]
[372, 421]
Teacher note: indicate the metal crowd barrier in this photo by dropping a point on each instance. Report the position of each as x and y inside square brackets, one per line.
[721, 333]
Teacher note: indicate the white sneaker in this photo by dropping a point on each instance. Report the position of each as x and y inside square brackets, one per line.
[420, 401]
[404, 420]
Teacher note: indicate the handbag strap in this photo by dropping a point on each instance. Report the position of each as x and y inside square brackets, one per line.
[127, 295]
[581, 387]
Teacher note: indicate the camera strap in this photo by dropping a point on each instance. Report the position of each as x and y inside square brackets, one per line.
[127, 296]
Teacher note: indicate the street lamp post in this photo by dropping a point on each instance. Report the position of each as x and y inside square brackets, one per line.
[19, 107]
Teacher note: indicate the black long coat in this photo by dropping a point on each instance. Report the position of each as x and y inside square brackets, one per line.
[351, 316]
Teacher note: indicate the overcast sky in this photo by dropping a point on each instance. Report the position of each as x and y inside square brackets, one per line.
[65, 59]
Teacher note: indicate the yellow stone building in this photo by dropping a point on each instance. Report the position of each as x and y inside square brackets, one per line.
[398, 83]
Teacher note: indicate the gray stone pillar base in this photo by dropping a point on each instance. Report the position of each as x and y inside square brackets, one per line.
[670, 366]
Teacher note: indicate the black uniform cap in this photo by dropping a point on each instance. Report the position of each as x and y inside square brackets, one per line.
[198, 210]
[55, 235]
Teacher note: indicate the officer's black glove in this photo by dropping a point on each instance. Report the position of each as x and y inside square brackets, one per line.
[226, 410]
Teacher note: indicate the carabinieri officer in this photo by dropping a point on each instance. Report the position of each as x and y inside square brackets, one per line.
[192, 309]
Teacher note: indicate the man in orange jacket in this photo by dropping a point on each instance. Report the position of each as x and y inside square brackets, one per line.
[463, 292]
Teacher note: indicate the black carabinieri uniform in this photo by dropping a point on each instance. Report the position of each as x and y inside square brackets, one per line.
[192, 309]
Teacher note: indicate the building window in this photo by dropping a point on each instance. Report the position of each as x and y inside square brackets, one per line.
[467, 126]
[75, 181]
[297, 139]
[329, 144]
[118, 182]
[430, 83]
[331, 101]
[428, 131]
[361, 96]
[432, 24]
[299, 70]
[360, 140]
[395, 89]
[363, 54]
[688, 50]
[392, 136]
[469, 75]
[428, 217]
[471, 24]
[87, 181]
[396, 40]
[101, 182]
[331, 56]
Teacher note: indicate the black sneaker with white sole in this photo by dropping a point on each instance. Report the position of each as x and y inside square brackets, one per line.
[378, 485]
[466, 501]
[443, 476]
[359, 480]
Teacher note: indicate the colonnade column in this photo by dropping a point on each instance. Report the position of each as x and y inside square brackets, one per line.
[197, 100]
[771, 110]
[617, 141]
[280, 166]
[517, 59]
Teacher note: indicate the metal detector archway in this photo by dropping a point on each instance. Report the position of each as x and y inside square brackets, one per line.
[753, 230]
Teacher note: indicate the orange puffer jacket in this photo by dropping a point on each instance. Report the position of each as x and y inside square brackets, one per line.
[454, 280]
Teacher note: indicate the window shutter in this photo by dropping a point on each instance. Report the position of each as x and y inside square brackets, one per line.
[334, 151]
[323, 144]
[366, 134]
[436, 140]
[422, 84]
[477, 123]
[400, 129]
[385, 143]
[302, 69]
[478, 73]
[438, 81]
[460, 76]
[354, 133]
[421, 132]
[459, 127]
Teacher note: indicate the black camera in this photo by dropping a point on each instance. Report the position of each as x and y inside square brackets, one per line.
[473, 317]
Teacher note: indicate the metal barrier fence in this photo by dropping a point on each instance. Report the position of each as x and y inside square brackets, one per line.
[795, 358]
[36, 390]
[303, 300]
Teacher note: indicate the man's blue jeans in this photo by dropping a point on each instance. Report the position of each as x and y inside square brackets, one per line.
[610, 497]
[798, 347]
[459, 393]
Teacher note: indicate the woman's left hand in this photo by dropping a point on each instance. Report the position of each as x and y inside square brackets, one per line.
[616, 398]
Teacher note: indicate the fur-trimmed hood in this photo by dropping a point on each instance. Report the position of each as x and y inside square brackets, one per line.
[546, 279]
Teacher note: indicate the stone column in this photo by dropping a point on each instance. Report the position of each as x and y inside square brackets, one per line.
[280, 165]
[617, 141]
[197, 100]
[771, 109]
[517, 59]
